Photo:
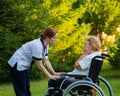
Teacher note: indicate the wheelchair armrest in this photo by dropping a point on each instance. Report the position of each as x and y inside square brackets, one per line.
[77, 76]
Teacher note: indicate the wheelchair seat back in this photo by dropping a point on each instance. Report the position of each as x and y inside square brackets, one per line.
[95, 68]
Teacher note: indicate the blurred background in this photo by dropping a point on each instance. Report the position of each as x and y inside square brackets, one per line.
[24, 20]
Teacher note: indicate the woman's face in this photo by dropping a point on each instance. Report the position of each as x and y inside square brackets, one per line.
[87, 45]
[52, 40]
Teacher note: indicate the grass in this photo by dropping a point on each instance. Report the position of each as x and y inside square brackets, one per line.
[112, 76]
[38, 88]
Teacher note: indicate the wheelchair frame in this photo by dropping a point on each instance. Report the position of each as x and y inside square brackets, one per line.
[90, 81]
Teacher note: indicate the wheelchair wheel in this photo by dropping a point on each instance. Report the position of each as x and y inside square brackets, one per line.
[83, 88]
[106, 86]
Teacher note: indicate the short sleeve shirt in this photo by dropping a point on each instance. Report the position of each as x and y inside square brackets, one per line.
[33, 50]
[85, 64]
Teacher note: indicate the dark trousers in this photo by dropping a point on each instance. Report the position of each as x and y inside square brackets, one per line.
[57, 83]
[21, 81]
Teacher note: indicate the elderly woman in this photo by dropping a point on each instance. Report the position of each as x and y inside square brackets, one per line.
[82, 65]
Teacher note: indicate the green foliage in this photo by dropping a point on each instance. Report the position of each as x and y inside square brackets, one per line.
[36, 74]
[69, 31]
[8, 44]
[14, 30]
[63, 62]
[114, 51]
[103, 14]
[9, 33]
[24, 20]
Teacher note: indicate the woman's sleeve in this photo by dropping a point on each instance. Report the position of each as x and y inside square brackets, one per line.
[85, 62]
[37, 52]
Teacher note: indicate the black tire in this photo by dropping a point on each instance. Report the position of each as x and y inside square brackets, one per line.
[109, 90]
[72, 89]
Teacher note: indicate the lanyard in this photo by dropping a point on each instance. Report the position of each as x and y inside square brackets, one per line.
[41, 39]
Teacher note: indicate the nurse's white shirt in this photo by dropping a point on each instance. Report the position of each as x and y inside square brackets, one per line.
[33, 50]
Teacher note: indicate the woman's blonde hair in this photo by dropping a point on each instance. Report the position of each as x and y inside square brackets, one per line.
[94, 42]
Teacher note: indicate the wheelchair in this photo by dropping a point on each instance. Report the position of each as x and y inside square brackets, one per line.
[84, 85]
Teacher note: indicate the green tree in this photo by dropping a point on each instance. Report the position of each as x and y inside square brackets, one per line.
[115, 50]
[9, 30]
[71, 35]
[103, 14]
[24, 20]
[17, 26]
[75, 16]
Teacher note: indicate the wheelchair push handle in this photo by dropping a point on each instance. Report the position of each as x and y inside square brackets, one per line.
[99, 57]
[105, 55]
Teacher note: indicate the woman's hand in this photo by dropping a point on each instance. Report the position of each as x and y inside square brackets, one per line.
[58, 73]
[77, 66]
[54, 77]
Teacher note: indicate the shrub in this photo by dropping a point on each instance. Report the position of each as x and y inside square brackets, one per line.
[115, 51]
[63, 62]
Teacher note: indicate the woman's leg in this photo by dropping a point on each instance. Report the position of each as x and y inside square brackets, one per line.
[55, 84]
[28, 72]
[20, 80]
